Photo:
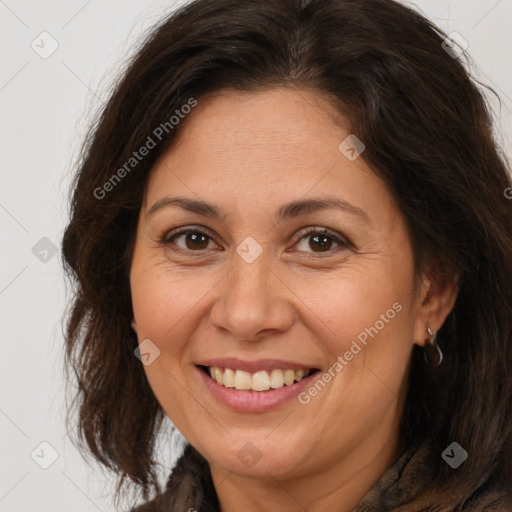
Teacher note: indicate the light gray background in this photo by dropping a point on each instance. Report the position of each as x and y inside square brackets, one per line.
[45, 107]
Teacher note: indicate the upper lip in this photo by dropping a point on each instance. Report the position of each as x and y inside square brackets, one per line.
[254, 366]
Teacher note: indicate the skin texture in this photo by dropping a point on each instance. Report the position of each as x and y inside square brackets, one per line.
[250, 153]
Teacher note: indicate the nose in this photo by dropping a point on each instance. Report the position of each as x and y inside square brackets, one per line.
[253, 302]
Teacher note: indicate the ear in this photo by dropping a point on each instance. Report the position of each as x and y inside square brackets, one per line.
[134, 325]
[435, 300]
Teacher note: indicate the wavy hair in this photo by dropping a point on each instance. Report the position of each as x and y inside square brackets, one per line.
[427, 128]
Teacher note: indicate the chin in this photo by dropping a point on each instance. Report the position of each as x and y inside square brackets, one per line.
[263, 458]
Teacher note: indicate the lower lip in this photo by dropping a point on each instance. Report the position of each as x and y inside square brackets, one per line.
[254, 401]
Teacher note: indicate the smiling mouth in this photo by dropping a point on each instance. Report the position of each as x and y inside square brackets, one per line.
[263, 380]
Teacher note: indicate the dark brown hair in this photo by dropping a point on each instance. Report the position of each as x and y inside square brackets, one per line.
[427, 131]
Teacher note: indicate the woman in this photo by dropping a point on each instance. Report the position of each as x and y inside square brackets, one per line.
[289, 235]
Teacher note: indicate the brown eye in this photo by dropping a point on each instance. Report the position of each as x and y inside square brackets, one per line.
[192, 240]
[321, 241]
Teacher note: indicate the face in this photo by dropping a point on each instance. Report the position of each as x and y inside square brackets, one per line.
[300, 260]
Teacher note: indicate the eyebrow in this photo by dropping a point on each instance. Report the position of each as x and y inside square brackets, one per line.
[287, 211]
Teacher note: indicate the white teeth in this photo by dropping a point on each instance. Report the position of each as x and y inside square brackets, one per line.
[299, 375]
[276, 379]
[218, 376]
[289, 377]
[242, 380]
[229, 378]
[258, 381]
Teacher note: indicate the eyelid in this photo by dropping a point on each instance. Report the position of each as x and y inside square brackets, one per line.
[342, 241]
[317, 230]
[165, 239]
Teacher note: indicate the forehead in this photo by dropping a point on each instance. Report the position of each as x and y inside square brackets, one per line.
[272, 146]
[271, 122]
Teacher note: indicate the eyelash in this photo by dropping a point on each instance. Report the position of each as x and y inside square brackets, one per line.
[341, 241]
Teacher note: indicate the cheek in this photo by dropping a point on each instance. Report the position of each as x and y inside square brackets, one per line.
[357, 298]
[366, 315]
[153, 293]
[168, 302]
[162, 307]
[368, 342]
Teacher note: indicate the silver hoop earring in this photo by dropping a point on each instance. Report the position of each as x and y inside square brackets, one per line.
[432, 352]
